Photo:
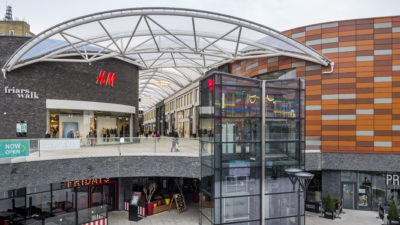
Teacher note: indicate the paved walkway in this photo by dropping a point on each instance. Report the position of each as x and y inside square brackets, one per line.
[146, 147]
[191, 217]
[188, 217]
[349, 217]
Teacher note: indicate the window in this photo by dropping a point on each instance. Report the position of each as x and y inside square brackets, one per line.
[191, 95]
[11, 33]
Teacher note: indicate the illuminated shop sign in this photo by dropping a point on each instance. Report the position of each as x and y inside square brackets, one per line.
[86, 182]
[211, 83]
[108, 79]
[21, 93]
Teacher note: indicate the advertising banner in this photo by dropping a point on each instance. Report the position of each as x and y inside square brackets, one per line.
[59, 144]
[10, 149]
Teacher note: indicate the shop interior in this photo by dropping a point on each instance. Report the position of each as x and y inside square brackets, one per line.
[43, 203]
[103, 126]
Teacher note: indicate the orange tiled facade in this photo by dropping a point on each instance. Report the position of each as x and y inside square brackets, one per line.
[356, 108]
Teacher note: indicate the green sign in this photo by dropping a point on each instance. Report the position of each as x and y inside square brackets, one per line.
[9, 149]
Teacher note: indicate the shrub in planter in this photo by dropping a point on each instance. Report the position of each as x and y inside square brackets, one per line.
[158, 199]
[330, 211]
[393, 215]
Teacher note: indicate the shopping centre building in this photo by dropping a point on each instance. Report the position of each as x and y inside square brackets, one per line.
[332, 112]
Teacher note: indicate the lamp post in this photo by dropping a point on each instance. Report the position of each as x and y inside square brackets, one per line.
[304, 179]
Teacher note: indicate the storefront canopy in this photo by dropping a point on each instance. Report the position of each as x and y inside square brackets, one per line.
[172, 46]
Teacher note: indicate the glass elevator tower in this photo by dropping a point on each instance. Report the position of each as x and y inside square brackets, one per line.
[250, 132]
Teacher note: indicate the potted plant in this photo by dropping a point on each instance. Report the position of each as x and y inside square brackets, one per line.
[158, 199]
[330, 211]
[393, 215]
[167, 199]
[149, 193]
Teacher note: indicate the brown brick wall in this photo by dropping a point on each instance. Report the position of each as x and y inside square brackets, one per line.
[355, 109]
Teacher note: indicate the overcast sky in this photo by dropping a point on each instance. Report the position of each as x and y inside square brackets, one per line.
[278, 14]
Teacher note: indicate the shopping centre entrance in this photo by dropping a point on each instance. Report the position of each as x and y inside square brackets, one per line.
[243, 164]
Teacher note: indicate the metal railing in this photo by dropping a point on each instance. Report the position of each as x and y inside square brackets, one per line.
[54, 148]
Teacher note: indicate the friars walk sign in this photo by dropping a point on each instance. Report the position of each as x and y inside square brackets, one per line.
[21, 93]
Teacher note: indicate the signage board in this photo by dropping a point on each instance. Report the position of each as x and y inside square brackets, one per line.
[17, 148]
[59, 144]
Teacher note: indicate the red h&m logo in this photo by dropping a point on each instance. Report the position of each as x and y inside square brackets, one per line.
[109, 81]
[210, 84]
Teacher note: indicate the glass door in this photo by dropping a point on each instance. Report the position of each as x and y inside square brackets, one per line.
[348, 195]
[96, 195]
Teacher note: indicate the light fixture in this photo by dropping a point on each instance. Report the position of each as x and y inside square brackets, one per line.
[304, 179]
[292, 175]
[147, 96]
[160, 82]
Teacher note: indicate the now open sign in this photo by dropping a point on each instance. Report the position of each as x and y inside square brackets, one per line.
[10, 149]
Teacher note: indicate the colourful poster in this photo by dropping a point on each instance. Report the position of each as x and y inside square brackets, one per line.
[10, 149]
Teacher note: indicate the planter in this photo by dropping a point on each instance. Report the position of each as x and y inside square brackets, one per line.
[154, 204]
[167, 200]
[195, 197]
[393, 222]
[329, 215]
[159, 203]
[149, 208]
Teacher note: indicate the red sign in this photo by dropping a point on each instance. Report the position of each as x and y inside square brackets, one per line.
[107, 81]
[210, 84]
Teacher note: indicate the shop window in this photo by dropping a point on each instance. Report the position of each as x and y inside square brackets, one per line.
[364, 190]
[11, 32]
[63, 201]
[38, 205]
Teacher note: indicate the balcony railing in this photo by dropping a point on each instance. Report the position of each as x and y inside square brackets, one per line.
[54, 148]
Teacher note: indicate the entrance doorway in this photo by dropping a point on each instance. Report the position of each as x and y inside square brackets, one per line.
[100, 194]
[349, 195]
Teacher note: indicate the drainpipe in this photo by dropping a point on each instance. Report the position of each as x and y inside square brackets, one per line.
[332, 64]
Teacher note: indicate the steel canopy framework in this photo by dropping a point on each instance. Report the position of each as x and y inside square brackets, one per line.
[174, 45]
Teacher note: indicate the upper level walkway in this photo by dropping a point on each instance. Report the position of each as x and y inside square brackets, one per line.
[58, 160]
[50, 149]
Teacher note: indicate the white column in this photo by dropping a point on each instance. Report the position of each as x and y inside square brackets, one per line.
[131, 125]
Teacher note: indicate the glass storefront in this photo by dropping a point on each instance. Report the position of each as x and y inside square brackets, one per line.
[33, 205]
[371, 189]
[104, 126]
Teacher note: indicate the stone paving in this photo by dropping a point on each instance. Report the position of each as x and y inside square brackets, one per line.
[349, 217]
[191, 217]
[188, 217]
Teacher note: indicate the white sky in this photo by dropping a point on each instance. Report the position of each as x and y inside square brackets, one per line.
[277, 14]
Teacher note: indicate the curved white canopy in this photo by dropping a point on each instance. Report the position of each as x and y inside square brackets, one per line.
[172, 46]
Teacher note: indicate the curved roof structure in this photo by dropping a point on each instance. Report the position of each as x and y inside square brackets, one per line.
[172, 46]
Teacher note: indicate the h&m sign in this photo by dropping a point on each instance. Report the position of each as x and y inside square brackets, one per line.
[21, 93]
[108, 80]
[392, 179]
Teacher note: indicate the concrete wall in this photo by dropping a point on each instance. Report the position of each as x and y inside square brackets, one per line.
[66, 81]
[26, 174]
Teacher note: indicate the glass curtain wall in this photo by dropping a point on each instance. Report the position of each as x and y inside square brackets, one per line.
[230, 130]
[230, 143]
[284, 148]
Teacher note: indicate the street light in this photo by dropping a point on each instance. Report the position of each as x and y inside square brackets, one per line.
[304, 179]
[292, 175]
